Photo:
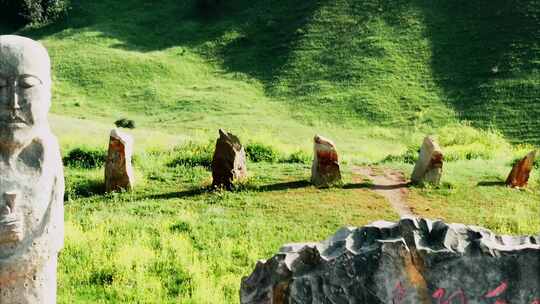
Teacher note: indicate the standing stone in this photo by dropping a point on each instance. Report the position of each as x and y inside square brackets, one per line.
[229, 161]
[325, 167]
[519, 176]
[412, 261]
[118, 169]
[31, 176]
[428, 168]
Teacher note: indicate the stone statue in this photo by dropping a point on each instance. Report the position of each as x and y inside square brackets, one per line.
[118, 168]
[519, 176]
[325, 168]
[229, 161]
[31, 176]
[428, 167]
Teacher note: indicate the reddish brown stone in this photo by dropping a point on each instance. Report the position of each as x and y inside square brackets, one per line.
[519, 176]
[118, 169]
[229, 161]
[325, 169]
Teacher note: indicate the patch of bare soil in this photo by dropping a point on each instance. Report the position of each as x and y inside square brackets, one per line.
[389, 183]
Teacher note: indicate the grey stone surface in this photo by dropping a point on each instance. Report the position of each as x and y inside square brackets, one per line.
[412, 261]
[118, 168]
[229, 161]
[325, 168]
[31, 176]
[428, 167]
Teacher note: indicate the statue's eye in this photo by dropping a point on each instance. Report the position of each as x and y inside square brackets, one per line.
[29, 81]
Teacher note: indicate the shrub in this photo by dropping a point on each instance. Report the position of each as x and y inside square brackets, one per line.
[257, 152]
[191, 155]
[410, 156]
[298, 157]
[125, 123]
[33, 11]
[85, 158]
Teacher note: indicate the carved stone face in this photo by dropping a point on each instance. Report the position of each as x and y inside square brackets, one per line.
[25, 88]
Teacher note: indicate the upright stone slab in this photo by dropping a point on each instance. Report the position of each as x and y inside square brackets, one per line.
[31, 176]
[118, 168]
[519, 176]
[325, 168]
[410, 262]
[229, 161]
[428, 168]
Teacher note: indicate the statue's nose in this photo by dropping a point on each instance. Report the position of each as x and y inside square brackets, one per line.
[14, 100]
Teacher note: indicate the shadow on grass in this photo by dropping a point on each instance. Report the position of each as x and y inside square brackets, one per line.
[375, 187]
[480, 48]
[283, 186]
[85, 188]
[180, 194]
[491, 183]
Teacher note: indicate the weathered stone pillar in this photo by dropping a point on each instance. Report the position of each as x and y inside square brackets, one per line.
[428, 168]
[519, 176]
[413, 261]
[325, 168]
[229, 161]
[118, 168]
[31, 176]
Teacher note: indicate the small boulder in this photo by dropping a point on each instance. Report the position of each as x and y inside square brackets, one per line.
[325, 167]
[118, 168]
[428, 168]
[229, 161]
[519, 176]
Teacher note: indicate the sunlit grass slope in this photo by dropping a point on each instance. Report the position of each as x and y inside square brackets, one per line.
[299, 64]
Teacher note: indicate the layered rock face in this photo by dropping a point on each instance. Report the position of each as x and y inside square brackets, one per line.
[31, 176]
[412, 261]
[428, 167]
[325, 168]
[118, 168]
[519, 176]
[229, 161]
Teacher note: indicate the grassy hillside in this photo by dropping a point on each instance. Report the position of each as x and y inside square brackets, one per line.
[393, 63]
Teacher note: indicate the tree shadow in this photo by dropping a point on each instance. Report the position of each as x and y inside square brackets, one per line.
[480, 48]
[180, 194]
[283, 186]
[491, 183]
[368, 185]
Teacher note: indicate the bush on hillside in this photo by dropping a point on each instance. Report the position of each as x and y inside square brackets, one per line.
[298, 157]
[125, 123]
[209, 6]
[33, 11]
[85, 158]
[410, 156]
[192, 155]
[257, 152]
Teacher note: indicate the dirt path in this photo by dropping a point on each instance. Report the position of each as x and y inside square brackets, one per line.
[390, 184]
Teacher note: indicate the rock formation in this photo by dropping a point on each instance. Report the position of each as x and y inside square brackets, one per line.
[428, 168]
[325, 167]
[31, 176]
[409, 262]
[519, 176]
[229, 161]
[118, 168]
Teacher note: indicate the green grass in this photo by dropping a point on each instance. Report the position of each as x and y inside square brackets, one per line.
[475, 194]
[172, 240]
